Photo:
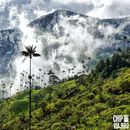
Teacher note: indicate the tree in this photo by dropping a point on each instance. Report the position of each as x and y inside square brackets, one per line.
[115, 61]
[40, 77]
[125, 41]
[107, 62]
[11, 85]
[119, 50]
[100, 66]
[53, 79]
[30, 52]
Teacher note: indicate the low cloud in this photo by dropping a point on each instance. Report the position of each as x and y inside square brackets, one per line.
[72, 1]
[37, 8]
[110, 9]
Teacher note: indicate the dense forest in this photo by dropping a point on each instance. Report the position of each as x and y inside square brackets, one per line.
[85, 102]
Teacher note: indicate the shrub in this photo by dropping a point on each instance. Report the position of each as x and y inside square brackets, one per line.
[19, 106]
[125, 86]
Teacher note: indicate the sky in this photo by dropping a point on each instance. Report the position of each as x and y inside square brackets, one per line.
[35, 8]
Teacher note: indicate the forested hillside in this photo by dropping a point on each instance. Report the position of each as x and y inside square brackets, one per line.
[85, 102]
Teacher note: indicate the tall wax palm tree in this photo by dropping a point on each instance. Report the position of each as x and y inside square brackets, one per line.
[3, 91]
[3, 94]
[30, 52]
[11, 85]
[40, 77]
[21, 80]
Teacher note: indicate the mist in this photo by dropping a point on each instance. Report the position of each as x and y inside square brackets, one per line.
[65, 46]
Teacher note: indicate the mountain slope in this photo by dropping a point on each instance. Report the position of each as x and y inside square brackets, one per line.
[50, 20]
[67, 105]
[9, 48]
[53, 18]
[63, 32]
[84, 102]
[66, 38]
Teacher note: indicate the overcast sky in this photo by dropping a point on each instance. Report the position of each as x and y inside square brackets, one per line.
[35, 8]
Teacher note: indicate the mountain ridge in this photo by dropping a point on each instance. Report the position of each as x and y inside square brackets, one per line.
[71, 13]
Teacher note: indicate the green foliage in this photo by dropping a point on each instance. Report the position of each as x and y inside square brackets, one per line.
[19, 106]
[100, 66]
[86, 102]
[53, 79]
[118, 60]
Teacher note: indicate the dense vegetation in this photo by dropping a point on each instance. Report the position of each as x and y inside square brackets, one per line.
[86, 102]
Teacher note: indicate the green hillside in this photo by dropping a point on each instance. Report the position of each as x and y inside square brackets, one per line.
[86, 102]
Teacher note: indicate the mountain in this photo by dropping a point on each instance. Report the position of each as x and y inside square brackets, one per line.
[9, 49]
[66, 31]
[84, 102]
[67, 38]
[94, 26]
[52, 18]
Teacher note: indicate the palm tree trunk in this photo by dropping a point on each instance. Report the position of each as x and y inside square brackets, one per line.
[1, 94]
[10, 92]
[30, 93]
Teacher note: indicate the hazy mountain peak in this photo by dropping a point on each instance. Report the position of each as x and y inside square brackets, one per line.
[46, 20]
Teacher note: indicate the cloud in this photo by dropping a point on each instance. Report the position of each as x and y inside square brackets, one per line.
[110, 9]
[101, 8]
[36, 8]
[72, 1]
[2, 2]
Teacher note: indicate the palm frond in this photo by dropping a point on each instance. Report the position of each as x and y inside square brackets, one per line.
[34, 49]
[24, 53]
[24, 59]
[30, 51]
[28, 48]
[36, 54]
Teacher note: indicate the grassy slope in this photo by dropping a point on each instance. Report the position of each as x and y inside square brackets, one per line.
[70, 105]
